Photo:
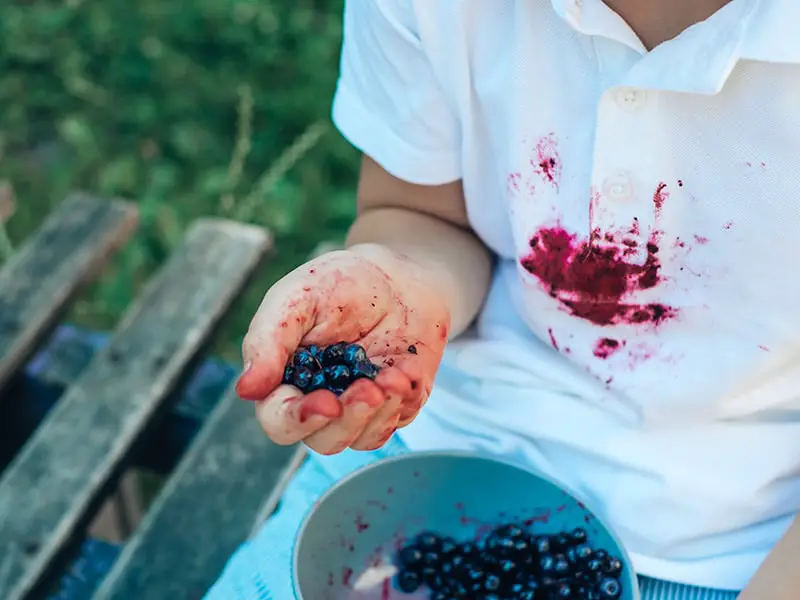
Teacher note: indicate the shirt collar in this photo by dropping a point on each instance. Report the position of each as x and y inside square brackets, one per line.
[772, 34]
[701, 59]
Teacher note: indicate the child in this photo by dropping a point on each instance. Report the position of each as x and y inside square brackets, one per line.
[609, 192]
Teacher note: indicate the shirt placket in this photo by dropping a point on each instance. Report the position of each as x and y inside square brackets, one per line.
[625, 195]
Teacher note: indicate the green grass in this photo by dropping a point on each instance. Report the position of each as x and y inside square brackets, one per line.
[190, 108]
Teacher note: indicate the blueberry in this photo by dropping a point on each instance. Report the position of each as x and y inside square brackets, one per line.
[561, 565]
[455, 562]
[409, 556]
[288, 375]
[593, 572]
[354, 354]
[492, 583]
[572, 555]
[584, 592]
[560, 541]
[517, 588]
[475, 574]
[489, 560]
[336, 390]
[547, 563]
[301, 378]
[315, 351]
[318, 382]
[612, 566]
[563, 590]
[333, 355]
[429, 574]
[578, 536]
[522, 546]
[594, 564]
[435, 582]
[338, 376]
[542, 544]
[364, 370]
[601, 554]
[428, 541]
[510, 531]
[503, 546]
[508, 566]
[449, 568]
[304, 358]
[432, 558]
[609, 588]
[408, 581]
[448, 546]
[582, 552]
[526, 595]
[533, 583]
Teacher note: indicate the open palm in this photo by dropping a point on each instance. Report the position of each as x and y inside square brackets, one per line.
[378, 300]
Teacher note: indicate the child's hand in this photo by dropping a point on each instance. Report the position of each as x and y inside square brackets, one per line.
[367, 295]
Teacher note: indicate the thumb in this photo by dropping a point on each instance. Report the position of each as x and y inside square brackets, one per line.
[285, 316]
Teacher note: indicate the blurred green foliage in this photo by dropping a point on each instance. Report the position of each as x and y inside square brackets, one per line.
[188, 107]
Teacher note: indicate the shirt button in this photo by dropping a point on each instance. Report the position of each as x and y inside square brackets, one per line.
[618, 187]
[629, 99]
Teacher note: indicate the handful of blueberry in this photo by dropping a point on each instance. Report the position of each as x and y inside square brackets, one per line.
[510, 563]
[333, 368]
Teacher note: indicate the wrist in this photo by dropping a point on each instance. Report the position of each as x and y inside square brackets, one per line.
[418, 276]
[454, 262]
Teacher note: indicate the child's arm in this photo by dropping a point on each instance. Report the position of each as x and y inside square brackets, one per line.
[429, 225]
[778, 578]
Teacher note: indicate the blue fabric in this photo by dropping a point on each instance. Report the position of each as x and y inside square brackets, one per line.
[260, 569]
[84, 575]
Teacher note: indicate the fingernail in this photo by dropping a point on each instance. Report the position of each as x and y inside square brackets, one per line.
[247, 366]
[241, 384]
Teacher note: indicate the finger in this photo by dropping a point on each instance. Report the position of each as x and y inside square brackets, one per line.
[420, 388]
[410, 409]
[360, 402]
[287, 417]
[382, 426]
[418, 362]
[406, 380]
[275, 332]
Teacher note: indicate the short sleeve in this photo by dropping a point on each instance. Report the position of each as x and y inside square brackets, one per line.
[388, 102]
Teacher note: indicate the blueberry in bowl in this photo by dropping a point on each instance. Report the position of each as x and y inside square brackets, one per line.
[433, 525]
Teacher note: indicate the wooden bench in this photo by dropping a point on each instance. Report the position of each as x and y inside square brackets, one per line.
[75, 416]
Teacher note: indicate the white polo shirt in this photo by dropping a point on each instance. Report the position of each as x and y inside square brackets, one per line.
[641, 340]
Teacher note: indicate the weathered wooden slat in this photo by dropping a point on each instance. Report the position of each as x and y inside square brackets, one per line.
[65, 357]
[60, 361]
[42, 277]
[205, 511]
[8, 202]
[51, 488]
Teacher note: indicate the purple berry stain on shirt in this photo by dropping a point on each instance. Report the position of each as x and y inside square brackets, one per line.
[606, 347]
[547, 162]
[593, 281]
